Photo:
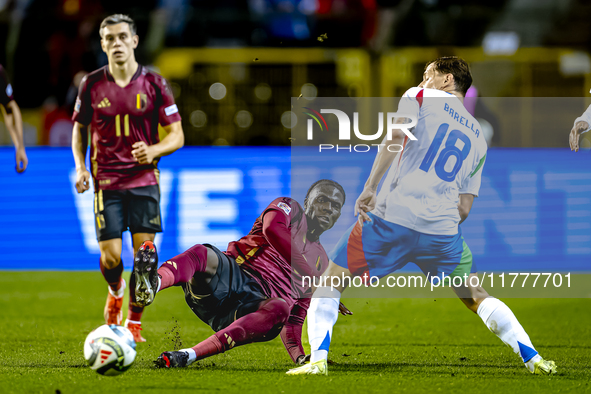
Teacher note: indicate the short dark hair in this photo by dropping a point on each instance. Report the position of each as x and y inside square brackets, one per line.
[116, 19]
[328, 182]
[457, 67]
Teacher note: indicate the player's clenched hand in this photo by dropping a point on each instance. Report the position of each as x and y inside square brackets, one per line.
[344, 310]
[365, 203]
[21, 161]
[82, 181]
[142, 152]
[575, 133]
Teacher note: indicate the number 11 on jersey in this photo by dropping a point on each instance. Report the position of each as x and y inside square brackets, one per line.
[125, 125]
[450, 150]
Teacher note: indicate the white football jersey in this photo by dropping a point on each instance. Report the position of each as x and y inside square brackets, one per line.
[586, 117]
[422, 188]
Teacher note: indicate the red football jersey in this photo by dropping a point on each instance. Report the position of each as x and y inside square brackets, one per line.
[278, 275]
[119, 117]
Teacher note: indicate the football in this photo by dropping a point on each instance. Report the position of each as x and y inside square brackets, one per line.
[110, 349]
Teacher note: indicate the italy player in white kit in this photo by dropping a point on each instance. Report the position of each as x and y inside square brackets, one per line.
[428, 191]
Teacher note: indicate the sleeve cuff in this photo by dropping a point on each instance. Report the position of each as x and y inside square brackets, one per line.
[581, 119]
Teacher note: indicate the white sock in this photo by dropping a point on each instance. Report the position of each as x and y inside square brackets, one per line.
[501, 321]
[119, 293]
[322, 315]
[192, 355]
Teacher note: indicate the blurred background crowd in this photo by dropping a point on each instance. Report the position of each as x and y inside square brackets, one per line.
[234, 65]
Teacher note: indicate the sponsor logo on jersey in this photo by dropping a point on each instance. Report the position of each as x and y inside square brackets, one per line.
[173, 109]
[9, 90]
[104, 103]
[286, 208]
[78, 105]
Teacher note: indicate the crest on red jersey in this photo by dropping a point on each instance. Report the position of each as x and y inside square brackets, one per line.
[141, 101]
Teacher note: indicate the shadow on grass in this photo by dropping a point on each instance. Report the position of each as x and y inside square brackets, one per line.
[372, 367]
[47, 365]
[174, 388]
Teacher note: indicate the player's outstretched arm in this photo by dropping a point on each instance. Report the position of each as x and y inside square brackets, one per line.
[581, 125]
[175, 139]
[384, 159]
[579, 128]
[79, 145]
[14, 124]
[291, 334]
[366, 202]
[465, 205]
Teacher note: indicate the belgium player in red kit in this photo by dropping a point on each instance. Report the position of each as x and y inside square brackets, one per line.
[253, 291]
[122, 105]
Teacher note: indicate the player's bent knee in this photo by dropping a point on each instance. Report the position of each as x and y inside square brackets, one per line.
[199, 251]
[110, 259]
[277, 308]
[212, 261]
[110, 253]
[280, 310]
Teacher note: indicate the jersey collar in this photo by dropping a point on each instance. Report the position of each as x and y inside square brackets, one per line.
[135, 76]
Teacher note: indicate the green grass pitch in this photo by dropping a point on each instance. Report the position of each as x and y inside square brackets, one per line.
[388, 345]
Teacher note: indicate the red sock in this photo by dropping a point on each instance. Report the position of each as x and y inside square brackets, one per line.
[208, 347]
[181, 268]
[166, 277]
[135, 313]
[113, 275]
[260, 326]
